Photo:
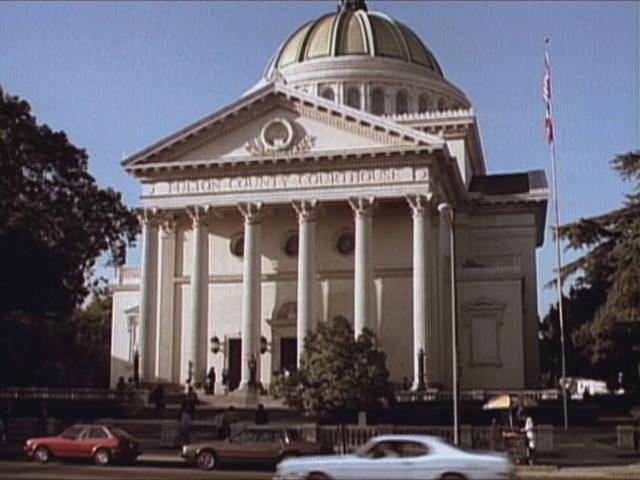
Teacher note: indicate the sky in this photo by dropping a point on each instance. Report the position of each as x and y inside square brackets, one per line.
[119, 76]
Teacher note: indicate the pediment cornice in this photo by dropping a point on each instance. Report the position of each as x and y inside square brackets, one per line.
[391, 136]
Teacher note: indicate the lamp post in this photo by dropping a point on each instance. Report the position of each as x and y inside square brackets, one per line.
[446, 213]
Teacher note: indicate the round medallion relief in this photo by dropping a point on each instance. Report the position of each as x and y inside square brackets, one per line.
[291, 245]
[277, 134]
[236, 246]
[346, 243]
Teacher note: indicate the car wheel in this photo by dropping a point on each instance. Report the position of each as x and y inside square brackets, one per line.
[102, 457]
[42, 455]
[207, 460]
[317, 476]
[452, 476]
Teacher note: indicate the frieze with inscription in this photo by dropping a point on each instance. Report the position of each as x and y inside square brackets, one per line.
[291, 181]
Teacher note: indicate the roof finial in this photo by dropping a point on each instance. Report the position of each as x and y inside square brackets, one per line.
[352, 5]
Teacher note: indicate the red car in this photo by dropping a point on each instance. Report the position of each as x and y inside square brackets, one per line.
[98, 442]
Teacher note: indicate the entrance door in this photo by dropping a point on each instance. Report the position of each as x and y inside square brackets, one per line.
[235, 362]
[289, 353]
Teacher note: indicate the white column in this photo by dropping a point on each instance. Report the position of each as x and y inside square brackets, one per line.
[363, 278]
[147, 294]
[421, 222]
[199, 273]
[306, 211]
[251, 288]
[166, 363]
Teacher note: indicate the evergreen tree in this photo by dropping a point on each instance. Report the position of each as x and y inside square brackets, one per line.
[609, 332]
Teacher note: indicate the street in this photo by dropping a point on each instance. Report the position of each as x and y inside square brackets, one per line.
[26, 470]
[149, 470]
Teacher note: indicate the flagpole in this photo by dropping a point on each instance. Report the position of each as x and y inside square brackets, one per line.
[552, 149]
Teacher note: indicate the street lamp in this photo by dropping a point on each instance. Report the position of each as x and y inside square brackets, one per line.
[446, 213]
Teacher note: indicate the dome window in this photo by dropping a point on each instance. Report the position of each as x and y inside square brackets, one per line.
[423, 103]
[402, 102]
[377, 101]
[353, 97]
[328, 93]
[443, 104]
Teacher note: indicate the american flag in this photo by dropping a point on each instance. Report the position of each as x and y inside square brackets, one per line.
[546, 95]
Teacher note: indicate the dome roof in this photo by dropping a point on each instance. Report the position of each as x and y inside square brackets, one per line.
[353, 30]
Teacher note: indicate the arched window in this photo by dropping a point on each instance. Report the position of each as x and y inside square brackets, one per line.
[327, 92]
[402, 102]
[377, 101]
[423, 103]
[353, 97]
[443, 104]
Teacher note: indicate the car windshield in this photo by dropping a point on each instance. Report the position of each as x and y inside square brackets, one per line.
[364, 449]
[72, 432]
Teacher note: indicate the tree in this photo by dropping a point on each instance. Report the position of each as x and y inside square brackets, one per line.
[55, 221]
[89, 361]
[611, 336]
[337, 371]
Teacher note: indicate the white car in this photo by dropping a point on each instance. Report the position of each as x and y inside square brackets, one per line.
[406, 457]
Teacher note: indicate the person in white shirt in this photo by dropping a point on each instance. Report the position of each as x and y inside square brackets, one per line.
[529, 431]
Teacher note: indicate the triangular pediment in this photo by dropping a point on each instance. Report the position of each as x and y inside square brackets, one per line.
[277, 122]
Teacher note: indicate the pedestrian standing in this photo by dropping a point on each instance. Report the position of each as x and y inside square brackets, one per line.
[185, 422]
[211, 377]
[225, 380]
[191, 400]
[261, 416]
[131, 389]
[529, 431]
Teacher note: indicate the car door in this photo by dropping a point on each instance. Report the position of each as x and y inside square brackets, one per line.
[268, 446]
[66, 445]
[240, 447]
[93, 437]
[384, 460]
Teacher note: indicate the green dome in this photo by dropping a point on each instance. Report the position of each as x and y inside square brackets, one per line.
[353, 30]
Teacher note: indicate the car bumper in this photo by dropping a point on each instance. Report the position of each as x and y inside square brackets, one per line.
[189, 456]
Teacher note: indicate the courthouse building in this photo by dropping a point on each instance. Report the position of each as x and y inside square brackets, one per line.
[316, 195]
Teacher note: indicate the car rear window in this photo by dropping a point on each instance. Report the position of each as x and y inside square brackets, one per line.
[118, 432]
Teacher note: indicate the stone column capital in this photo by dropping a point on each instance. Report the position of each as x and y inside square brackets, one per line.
[419, 204]
[200, 214]
[252, 212]
[148, 216]
[362, 206]
[168, 223]
[306, 210]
